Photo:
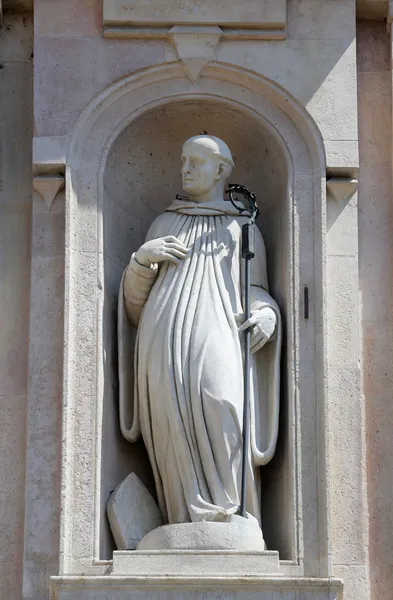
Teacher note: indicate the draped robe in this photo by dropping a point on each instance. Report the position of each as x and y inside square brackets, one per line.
[188, 365]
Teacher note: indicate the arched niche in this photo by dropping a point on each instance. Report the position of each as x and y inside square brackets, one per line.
[142, 177]
[122, 170]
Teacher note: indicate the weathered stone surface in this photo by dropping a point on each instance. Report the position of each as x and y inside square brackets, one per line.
[205, 535]
[221, 12]
[47, 187]
[132, 513]
[204, 587]
[196, 563]
[15, 228]
[376, 286]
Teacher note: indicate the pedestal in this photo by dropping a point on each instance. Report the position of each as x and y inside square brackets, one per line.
[189, 575]
[195, 564]
[203, 588]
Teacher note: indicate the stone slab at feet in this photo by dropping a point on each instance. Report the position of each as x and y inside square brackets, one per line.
[132, 513]
[194, 588]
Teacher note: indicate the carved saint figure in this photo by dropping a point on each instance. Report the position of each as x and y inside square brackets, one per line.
[183, 292]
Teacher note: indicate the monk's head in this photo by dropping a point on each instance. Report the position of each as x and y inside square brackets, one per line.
[206, 165]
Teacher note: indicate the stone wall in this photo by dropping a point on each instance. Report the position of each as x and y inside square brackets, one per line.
[376, 287]
[16, 70]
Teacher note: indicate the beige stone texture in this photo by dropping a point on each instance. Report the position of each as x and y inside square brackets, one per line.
[348, 500]
[223, 563]
[73, 18]
[15, 226]
[74, 63]
[316, 64]
[177, 12]
[347, 437]
[376, 286]
[61, 92]
[204, 587]
[42, 514]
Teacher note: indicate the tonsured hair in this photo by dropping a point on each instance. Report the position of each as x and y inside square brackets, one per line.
[216, 146]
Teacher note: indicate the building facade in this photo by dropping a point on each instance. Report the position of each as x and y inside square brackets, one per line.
[96, 98]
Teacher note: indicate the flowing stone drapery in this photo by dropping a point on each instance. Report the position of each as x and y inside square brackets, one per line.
[188, 392]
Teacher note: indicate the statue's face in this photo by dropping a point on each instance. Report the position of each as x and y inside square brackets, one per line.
[201, 169]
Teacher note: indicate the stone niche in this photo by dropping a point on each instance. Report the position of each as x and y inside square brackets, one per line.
[142, 176]
[123, 169]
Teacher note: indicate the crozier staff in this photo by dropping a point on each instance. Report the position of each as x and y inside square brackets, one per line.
[183, 290]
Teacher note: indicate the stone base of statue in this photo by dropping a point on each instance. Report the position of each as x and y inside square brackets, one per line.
[195, 563]
[237, 534]
[194, 575]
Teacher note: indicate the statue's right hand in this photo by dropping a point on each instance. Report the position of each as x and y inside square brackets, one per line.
[161, 249]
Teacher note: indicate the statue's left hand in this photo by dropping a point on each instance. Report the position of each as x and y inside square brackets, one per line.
[263, 323]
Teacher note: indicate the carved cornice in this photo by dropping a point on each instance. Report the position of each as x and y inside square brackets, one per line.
[154, 20]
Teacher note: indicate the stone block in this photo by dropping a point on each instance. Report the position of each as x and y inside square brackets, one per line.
[356, 580]
[329, 87]
[194, 588]
[16, 38]
[12, 473]
[61, 92]
[14, 298]
[376, 134]
[348, 460]
[255, 13]
[49, 154]
[237, 534]
[373, 43]
[15, 127]
[343, 311]
[187, 563]
[72, 18]
[342, 224]
[132, 513]
[308, 19]
[378, 352]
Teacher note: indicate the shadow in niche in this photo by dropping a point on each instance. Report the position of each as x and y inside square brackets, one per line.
[142, 177]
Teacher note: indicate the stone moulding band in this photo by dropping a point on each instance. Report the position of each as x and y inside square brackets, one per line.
[156, 17]
[312, 588]
[267, 582]
[161, 32]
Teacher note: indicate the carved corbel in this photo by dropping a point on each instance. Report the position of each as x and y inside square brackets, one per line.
[48, 186]
[339, 192]
[195, 46]
[342, 188]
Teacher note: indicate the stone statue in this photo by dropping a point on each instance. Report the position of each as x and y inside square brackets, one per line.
[182, 290]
